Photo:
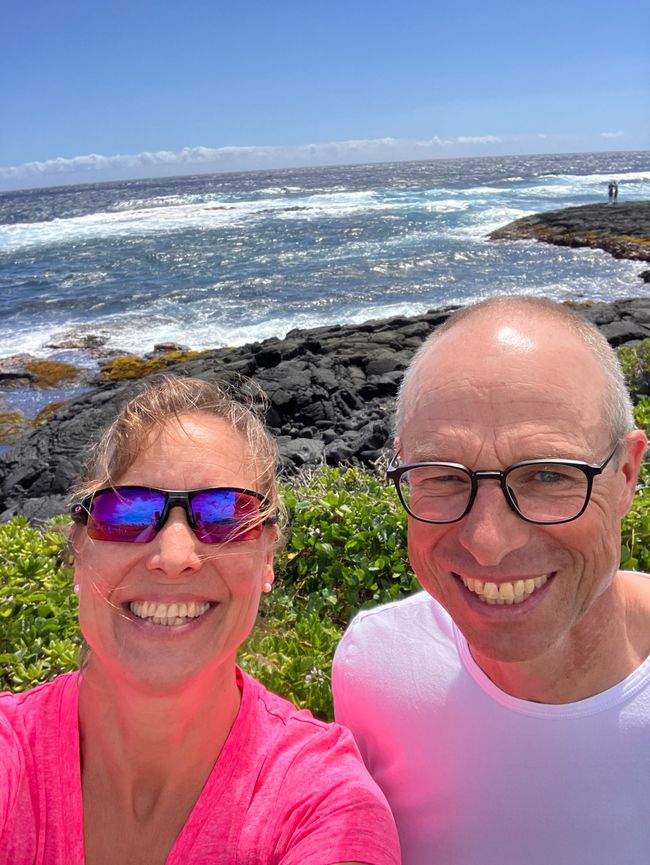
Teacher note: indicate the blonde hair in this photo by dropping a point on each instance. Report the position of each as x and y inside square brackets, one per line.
[167, 398]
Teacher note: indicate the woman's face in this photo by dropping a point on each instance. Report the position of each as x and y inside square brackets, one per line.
[217, 586]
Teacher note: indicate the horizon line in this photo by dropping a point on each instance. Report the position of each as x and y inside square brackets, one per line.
[198, 161]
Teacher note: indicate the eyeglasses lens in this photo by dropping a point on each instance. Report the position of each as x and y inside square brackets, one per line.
[226, 515]
[436, 493]
[548, 492]
[128, 515]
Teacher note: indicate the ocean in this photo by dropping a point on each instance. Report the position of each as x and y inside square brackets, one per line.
[214, 260]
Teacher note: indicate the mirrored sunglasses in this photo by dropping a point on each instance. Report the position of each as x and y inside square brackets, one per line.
[134, 515]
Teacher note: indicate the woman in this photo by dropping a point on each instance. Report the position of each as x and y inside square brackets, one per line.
[161, 750]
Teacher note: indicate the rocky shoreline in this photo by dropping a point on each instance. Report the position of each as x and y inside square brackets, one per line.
[330, 390]
[622, 229]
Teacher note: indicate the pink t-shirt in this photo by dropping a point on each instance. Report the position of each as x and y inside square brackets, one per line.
[286, 789]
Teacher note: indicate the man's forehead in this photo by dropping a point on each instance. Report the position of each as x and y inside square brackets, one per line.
[488, 373]
[484, 346]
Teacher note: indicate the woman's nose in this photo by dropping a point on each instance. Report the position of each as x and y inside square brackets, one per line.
[174, 550]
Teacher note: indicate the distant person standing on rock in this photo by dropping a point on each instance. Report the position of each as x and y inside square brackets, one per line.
[610, 191]
[615, 191]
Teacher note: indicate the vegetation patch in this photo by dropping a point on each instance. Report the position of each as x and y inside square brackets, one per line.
[635, 362]
[133, 367]
[345, 550]
[39, 632]
[12, 425]
[48, 373]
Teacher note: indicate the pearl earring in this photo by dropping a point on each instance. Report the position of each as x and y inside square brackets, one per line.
[266, 588]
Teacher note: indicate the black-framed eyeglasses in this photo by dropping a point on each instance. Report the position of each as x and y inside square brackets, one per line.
[542, 491]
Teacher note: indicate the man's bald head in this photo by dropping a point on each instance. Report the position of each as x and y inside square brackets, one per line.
[510, 318]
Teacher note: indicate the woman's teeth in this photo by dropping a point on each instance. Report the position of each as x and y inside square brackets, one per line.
[504, 593]
[168, 614]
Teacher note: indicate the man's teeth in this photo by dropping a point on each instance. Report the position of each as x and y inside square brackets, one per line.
[168, 614]
[504, 593]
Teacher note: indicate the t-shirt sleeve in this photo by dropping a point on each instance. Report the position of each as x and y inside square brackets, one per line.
[333, 811]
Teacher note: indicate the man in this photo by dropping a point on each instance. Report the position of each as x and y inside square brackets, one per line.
[505, 712]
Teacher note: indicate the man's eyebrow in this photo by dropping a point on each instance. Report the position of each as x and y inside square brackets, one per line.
[424, 454]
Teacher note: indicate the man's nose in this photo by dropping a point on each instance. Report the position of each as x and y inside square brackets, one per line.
[492, 530]
[174, 550]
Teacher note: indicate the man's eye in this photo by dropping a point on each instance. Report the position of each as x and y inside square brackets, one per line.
[547, 477]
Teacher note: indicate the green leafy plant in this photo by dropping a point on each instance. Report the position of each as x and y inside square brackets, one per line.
[291, 652]
[642, 414]
[347, 546]
[635, 363]
[345, 549]
[39, 634]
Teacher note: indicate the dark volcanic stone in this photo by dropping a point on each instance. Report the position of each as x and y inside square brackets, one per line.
[331, 393]
[622, 229]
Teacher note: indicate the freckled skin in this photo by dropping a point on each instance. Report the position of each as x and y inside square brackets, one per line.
[487, 396]
[203, 451]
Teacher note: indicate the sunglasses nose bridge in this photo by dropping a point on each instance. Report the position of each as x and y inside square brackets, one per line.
[178, 500]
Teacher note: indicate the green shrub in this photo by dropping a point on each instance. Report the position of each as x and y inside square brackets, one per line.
[347, 546]
[635, 362]
[291, 650]
[39, 634]
[345, 549]
[642, 414]
[635, 541]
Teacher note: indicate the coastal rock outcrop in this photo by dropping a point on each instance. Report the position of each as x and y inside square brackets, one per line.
[622, 229]
[331, 392]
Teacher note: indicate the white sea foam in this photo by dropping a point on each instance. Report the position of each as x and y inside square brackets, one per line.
[241, 263]
[143, 221]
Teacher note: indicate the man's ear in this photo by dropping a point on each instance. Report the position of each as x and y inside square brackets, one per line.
[397, 444]
[633, 450]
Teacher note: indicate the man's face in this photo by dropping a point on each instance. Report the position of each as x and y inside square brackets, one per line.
[488, 395]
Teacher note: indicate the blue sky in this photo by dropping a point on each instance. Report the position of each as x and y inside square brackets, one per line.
[96, 91]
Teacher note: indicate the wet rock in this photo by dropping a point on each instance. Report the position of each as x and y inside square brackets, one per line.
[622, 229]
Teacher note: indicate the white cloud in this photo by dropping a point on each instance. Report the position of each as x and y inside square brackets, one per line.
[478, 139]
[96, 167]
[618, 134]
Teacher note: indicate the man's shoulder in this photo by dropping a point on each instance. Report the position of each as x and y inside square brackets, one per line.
[375, 634]
[420, 607]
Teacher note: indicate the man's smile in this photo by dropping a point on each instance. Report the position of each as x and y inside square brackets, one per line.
[515, 592]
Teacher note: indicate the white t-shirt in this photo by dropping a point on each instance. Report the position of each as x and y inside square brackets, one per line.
[477, 777]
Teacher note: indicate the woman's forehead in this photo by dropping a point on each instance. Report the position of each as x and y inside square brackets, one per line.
[194, 451]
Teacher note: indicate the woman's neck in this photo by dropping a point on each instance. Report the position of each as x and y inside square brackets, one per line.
[144, 745]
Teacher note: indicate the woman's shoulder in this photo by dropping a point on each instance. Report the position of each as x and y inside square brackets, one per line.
[279, 711]
[289, 736]
[297, 758]
[25, 709]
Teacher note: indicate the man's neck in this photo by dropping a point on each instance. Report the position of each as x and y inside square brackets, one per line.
[604, 647]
